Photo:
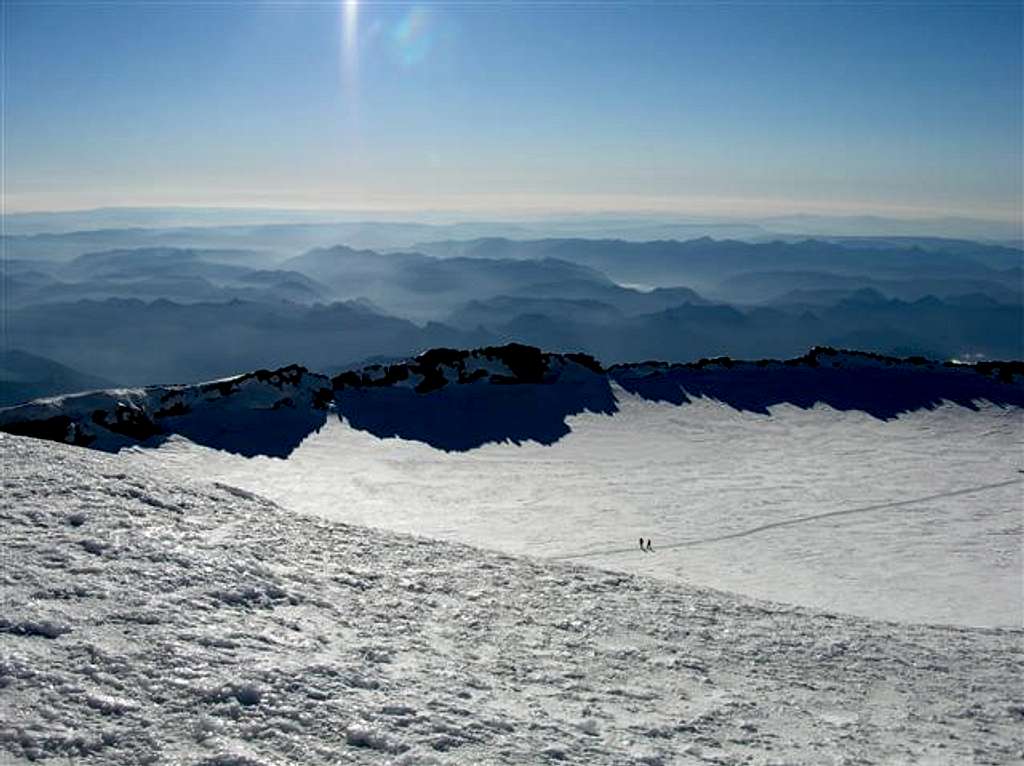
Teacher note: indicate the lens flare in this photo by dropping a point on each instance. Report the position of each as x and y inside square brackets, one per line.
[413, 36]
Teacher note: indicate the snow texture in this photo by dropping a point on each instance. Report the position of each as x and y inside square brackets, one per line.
[148, 619]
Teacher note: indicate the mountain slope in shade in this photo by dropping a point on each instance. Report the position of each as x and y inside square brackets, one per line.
[155, 620]
[25, 376]
[264, 412]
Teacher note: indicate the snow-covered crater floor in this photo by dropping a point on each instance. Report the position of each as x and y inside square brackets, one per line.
[147, 619]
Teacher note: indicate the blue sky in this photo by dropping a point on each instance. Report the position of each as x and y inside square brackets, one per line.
[739, 108]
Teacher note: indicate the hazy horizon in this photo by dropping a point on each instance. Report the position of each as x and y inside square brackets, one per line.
[745, 110]
[592, 224]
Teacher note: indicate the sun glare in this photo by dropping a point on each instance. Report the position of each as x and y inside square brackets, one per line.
[350, 40]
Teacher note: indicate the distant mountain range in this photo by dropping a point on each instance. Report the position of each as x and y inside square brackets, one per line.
[824, 288]
[183, 275]
[706, 262]
[424, 287]
[146, 314]
[141, 342]
[400, 229]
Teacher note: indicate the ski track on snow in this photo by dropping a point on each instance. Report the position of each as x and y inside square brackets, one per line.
[723, 494]
[797, 520]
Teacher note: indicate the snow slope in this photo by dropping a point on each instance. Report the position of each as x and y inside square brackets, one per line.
[870, 485]
[148, 619]
[707, 483]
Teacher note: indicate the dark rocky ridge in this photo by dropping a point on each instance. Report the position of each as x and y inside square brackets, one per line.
[456, 399]
[525, 365]
[266, 412]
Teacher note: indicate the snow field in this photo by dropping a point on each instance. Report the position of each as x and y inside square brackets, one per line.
[688, 475]
[150, 619]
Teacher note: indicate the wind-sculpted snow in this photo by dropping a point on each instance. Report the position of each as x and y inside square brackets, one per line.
[261, 413]
[148, 620]
[459, 400]
[881, 386]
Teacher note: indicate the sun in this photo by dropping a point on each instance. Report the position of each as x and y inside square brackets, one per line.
[350, 42]
[350, 21]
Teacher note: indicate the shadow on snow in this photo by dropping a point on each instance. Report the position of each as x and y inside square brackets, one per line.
[460, 418]
[883, 393]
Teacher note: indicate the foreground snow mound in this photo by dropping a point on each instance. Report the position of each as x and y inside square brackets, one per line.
[146, 621]
[264, 412]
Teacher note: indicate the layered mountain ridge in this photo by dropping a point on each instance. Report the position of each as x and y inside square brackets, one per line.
[127, 307]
